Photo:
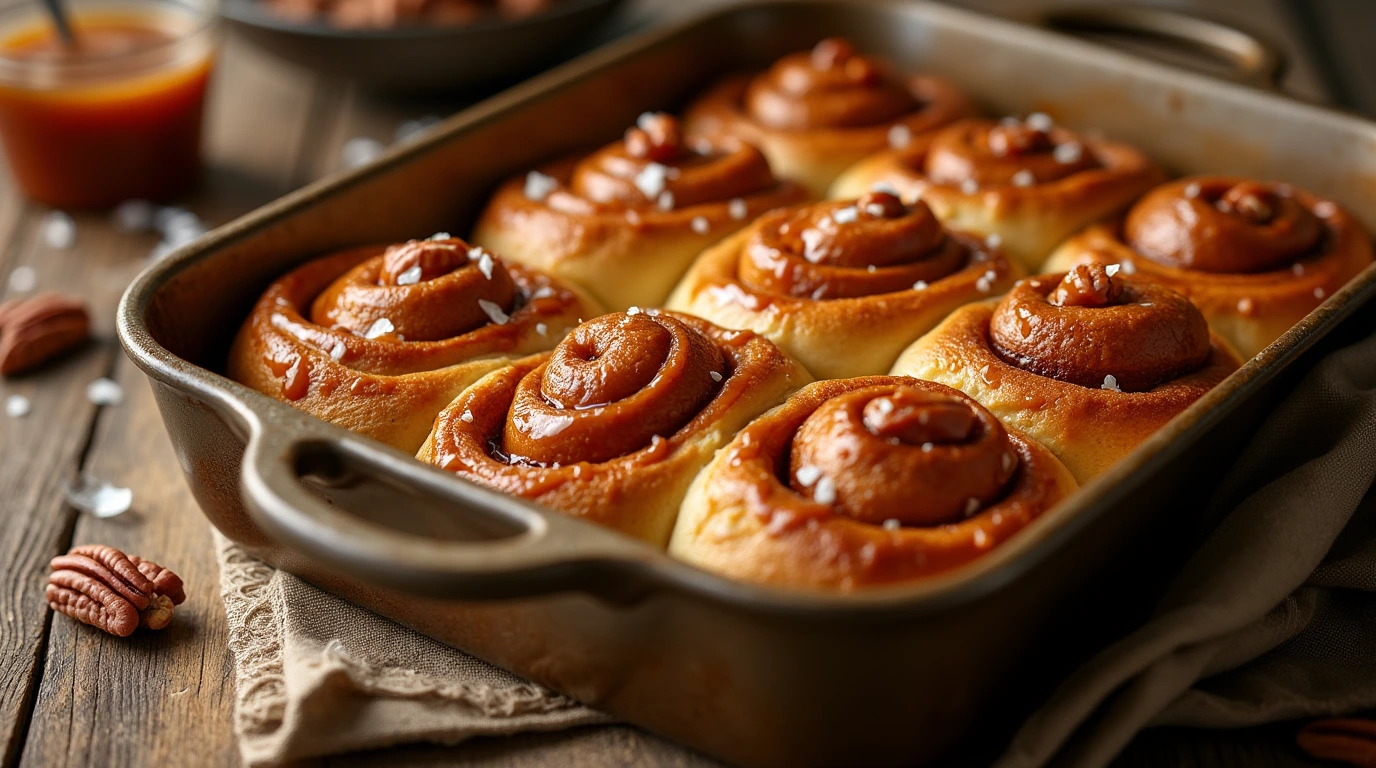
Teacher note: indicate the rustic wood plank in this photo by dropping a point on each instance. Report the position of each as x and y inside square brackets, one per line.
[155, 698]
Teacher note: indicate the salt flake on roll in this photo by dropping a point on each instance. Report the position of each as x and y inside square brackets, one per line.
[1087, 363]
[843, 286]
[1029, 182]
[627, 220]
[1255, 257]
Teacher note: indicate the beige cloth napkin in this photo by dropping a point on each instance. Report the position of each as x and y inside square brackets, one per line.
[1274, 618]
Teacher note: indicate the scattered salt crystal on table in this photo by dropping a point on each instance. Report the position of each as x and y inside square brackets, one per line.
[104, 391]
[23, 279]
[380, 327]
[359, 150]
[414, 129]
[59, 230]
[538, 186]
[97, 497]
[17, 406]
[134, 216]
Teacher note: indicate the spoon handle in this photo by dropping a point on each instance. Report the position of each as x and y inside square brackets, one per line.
[58, 14]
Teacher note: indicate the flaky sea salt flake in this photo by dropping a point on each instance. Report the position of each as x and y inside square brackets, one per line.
[17, 406]
[96, 497]
[825, 491]
[538, 186]
[23, 279]
[59, 230]
[410, 276]
[900, 136]
[494, 312]
[737, 208]
[700, 225]
[359, 151]
[105, 391]
[134, 216]
[1111, 383]
[380, 327]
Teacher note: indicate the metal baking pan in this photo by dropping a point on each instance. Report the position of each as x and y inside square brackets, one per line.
[759, 676]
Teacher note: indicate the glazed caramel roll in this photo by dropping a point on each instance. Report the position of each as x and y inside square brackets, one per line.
[626, 221]
[1088, 363]
[843, 287]
[862, 482]
[816, 112]
[1255, 257]
[614, 423]
[379, 339]
[1027, 183]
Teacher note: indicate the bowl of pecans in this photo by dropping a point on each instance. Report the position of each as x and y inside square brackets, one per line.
[419, 46]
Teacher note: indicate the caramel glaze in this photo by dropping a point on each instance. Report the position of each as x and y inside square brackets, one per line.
[631, 207]
[1031, 182]
[1089, 364]
[1255, 257]
[616, 421]
[842, 286]
[817, 111]
[863, 482]
[307, 339]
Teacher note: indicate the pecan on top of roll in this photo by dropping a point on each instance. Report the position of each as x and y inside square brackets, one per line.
[865, 247]
[865, 481]
[1093, 328]
[831, 86]
[615, 422]
[976, 154]
[656, 167]
[1224, 225]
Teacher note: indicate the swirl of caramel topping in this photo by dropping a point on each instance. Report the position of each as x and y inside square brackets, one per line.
[1093, 328]
[1222, 225]
[837, 250]
[653, 166]
[610, 387]
[902, 452]
[829, 87]
[1010, 152]
[422, 290]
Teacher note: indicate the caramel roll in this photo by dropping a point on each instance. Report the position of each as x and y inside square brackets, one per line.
[1255, 257]
[862, 482]
[627, 220]
[1088, 363]
[814, 113]
[378, 339]
[614, 423]
[843, 286]
[1027, 183]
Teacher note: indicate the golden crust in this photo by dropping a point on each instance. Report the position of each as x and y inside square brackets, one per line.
[834, 338]
[623, 257]
[385, 389]
[1249, 310]
[639, 493]
[815, 157]
[728, 520]
[1088, 429]
[1028, 221]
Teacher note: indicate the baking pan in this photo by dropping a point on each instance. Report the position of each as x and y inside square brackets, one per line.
[759, 676]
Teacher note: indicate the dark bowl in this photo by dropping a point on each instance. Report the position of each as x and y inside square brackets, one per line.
[423, 59]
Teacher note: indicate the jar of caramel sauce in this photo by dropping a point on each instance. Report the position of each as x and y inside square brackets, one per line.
[113, 117]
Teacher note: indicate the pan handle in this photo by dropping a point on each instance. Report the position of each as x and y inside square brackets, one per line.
[506, 548]
[1254, 60]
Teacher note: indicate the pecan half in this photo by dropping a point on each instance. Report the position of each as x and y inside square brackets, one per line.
[101, 586]
[1350, 740]
[35, 330]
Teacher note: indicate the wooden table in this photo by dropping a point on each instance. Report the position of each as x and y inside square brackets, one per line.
[73, 696]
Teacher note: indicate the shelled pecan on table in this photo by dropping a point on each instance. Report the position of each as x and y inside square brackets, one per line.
[118, 593]
[35, 330]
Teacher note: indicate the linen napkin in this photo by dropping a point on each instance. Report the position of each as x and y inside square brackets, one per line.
[1273, 619]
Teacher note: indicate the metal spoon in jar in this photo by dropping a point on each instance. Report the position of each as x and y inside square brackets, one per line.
[58, 14]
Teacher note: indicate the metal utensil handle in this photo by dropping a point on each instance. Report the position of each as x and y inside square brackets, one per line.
[1255, 60]
[535, 552]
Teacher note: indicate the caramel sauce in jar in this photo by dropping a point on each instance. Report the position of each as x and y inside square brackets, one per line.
[116, 116]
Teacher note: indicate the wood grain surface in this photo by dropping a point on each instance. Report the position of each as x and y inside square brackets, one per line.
[73, 696]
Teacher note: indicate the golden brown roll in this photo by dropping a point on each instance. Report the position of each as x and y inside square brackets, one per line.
[1089, 363]
[1028, 183]
[379, 339]
[613, 425]
[856, 483]
[1255, 257]
[626, 221]
[816, 112]
[843, 287]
